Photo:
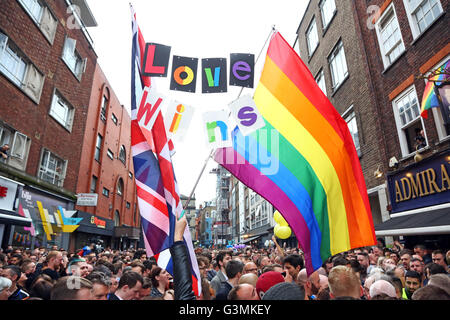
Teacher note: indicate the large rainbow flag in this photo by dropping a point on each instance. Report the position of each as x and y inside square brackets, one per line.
[430, 99]
[318, 186]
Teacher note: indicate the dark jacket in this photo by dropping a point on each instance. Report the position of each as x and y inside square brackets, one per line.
[182, 274]
[223, 292]
[112, 296]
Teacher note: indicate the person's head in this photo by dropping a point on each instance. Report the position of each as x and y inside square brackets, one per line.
[5, 285]
[28, 266]
[129, 285]
[394, 256]
[78, 267]
[249, 278]
[11, 272]
[437, 256]
[343, 282]
[222, 259]
[285, 291]
[146, 289]
[405, 258]
[5, 147]
[382, 287]
[416, 265]
[54, 259]
[434, 268]
[160, 277]
[292, 264]
[203, 264]
[266, 281]
[138, 266]
[363, 259]
[100, 285]
[389, 264]
[72, 288]
[149, 266]
[250, 267]
[430, 292]
[16, 259]
[420, 250]
[263, 261]
[312, 284]
[243, 291]
[440, 280]
[41, 289]
[233, 269]
[412, 281]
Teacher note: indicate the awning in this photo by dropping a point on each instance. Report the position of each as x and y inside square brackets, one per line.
[431, 222]
[250, 239]
[11, 217]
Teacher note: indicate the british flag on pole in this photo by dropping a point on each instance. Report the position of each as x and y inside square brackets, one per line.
[157, 191]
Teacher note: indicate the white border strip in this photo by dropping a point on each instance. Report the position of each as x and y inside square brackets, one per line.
[420, 210]
[414, 231]
[11, 217]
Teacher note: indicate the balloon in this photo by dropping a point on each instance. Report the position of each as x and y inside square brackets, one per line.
[282, 232]
[279, 219]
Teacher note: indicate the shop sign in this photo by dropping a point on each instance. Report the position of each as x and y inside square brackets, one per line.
[87, 199]
[98, 222]
[423, 184]
[8, 191]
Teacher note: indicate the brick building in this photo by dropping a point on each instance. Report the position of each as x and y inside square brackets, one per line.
[106, 169]
[367, 56]
[47, 64]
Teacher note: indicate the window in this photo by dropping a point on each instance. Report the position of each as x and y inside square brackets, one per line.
[94, 184]
[61, 111]
[320, 79]
[98, 148]
[130, 175]
[350, 118]
[338, 65]
[408, 121]
[19, 146]
[122, 154]
[120, 187]
[103, 110]
[110, 154]
[116, 218]
[421, 14]
[312, 37]
[114, 119]
[105, 192]
[328, 9]
[389, 36]
[19, 70]
[72, 58]
[52, 168]
[129, 206]
[42, 17]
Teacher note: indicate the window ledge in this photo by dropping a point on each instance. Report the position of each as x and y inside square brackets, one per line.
[340, 85]
[409, 156]
[445, 139]
[71, 71]
[428, 28]
[386, 69]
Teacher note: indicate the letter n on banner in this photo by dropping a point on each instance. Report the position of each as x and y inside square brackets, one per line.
[242, 69]
[184, 74]
[214, 75]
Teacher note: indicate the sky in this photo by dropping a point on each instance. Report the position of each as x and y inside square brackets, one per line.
[200, 29]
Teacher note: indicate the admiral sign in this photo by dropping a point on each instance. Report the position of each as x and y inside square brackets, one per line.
[424, 184]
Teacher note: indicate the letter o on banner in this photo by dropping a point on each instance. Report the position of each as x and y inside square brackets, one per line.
[177, 75]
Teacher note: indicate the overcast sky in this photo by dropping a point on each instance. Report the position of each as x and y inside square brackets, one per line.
[201, 29]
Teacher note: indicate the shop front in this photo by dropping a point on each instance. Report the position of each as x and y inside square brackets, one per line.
[92, 229]
[420, 203]
[126, 237]
[9, 217]
[47, 224]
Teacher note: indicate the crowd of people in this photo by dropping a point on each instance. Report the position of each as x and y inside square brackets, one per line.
[274, 273]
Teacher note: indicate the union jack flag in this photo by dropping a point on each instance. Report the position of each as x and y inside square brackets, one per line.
[157, 190]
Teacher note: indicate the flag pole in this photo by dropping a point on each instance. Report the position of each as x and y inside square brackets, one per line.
[212, 150]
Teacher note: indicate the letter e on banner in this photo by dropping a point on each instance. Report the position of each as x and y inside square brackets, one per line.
[242, 69]
[246, 115]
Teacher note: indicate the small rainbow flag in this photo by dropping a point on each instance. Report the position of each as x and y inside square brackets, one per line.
[318, 186]
[430, 99]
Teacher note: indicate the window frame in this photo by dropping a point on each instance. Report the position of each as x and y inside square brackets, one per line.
[309, 31]
[413, 23]
[70, 110]
[45, 170]
[402, 127]
[98, 149]
[335, 52]
[321, 75]
[70, 52]
[379, 31]
[325, 24]
[349, 116]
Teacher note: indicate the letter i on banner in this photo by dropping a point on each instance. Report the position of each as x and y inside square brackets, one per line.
[177, 120]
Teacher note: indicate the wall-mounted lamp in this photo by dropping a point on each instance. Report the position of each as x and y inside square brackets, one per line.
[418, 157]
[378, 174]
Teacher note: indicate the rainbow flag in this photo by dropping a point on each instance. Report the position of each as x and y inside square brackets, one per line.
[318, 186]
[430, 99]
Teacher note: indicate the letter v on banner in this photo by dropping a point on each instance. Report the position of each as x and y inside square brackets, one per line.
[149, 108]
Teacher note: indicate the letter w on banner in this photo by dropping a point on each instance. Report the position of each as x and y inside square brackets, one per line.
[157, 190]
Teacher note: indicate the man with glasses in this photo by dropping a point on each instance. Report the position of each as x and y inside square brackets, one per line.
[250, 267]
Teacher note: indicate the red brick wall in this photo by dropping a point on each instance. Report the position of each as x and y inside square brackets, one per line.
[107, 171]
[20, 112]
